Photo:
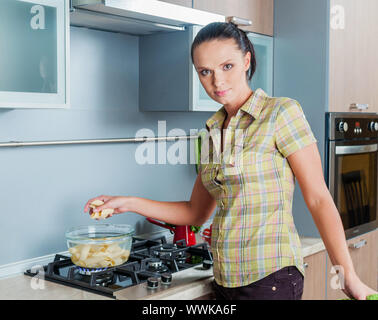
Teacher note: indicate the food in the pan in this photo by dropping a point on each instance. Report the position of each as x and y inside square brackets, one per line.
[98, 255]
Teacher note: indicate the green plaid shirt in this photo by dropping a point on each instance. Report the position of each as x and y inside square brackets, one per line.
[253, 232]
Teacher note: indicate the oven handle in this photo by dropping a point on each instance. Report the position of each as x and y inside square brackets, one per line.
[356, 149]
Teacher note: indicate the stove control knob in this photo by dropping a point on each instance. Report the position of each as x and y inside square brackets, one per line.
[343, 126]
[166, 278]
[207, 264]
[152, 283]
[373, 126]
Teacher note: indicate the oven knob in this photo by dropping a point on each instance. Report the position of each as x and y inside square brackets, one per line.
[166, 278]
[343, 126]
[152, 283]
[373, 126]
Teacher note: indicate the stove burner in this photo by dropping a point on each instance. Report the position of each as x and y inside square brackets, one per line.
[88, 272]
[95, 276]
[164, 250]
[168, 251]
[156, 265]
[168, 247]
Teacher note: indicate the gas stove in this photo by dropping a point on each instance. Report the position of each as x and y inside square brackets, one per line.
[151, 262]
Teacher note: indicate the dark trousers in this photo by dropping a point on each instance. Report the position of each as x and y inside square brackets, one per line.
[284, 284]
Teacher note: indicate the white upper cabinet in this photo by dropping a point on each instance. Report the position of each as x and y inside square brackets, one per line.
[34, 42]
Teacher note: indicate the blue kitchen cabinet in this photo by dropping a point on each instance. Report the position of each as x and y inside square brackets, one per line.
[34, 48]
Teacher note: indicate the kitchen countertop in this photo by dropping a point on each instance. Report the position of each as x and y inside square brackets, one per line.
[20, 288]
[311, 246]
[191, 283]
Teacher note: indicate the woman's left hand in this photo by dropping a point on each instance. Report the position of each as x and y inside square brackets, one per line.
[356, 289]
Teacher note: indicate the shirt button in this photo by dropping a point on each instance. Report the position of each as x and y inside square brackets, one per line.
[274, 288]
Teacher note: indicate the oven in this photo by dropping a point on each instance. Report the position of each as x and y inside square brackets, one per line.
[351, 168]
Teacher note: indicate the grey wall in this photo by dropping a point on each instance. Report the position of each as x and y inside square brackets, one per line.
[43, 189]
[300, 72]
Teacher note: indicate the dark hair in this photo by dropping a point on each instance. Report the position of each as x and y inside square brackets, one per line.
[227, 30]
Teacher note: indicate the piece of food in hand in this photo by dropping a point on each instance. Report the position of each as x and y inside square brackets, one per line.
[96, 203]
[100, 214]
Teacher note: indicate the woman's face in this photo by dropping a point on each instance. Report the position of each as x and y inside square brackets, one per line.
[221, 68]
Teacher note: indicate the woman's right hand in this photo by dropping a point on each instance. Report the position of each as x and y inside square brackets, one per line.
[117, 203]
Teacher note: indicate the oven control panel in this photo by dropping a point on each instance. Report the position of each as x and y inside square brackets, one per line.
[352, 126]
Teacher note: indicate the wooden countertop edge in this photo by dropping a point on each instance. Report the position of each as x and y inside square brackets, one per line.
[188, 292]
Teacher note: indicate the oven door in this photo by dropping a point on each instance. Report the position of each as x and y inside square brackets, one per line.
[353, 184]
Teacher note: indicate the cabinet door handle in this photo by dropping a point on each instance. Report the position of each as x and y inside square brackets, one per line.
[239, 21]
[358, 244]
[359, 106]
[305, 265]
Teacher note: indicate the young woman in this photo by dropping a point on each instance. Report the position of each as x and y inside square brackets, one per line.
[255, 245]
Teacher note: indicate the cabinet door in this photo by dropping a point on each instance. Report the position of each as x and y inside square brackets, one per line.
[34, 41]
[260, 12]
[363, 250]
[315, 280]
[201, 100]
[263, 77]
[353, 46]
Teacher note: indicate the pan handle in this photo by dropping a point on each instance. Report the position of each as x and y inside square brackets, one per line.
[160, 224]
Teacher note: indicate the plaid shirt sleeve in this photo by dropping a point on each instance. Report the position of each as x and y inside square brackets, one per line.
[292, 131]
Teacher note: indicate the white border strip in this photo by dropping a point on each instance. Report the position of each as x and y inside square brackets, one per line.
[18, 268]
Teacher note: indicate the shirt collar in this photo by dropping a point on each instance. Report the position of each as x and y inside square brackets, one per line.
[252, 106]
